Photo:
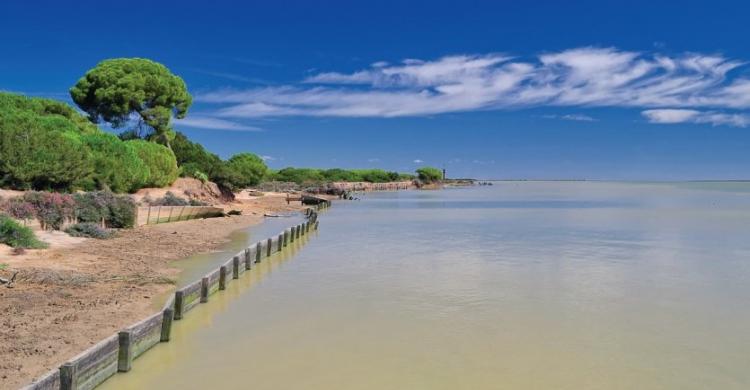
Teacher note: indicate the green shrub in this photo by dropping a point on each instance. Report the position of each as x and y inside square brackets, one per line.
[16, 235]
[116, 211]
[299, 175]
[193, 157]
[34, 155]
[429, 174]
[243, 170]
[116, 165]
[90, 230]
[159, 160]
[193, 170]
[337, 174]
[170, 199]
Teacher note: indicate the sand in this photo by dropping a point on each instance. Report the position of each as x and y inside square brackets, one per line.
[79, 291]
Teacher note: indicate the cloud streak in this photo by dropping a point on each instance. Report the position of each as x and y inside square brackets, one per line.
[672, 116]
[580, 77]
[206, 122]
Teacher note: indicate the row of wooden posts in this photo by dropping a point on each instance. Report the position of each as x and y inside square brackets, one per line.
[117, 352]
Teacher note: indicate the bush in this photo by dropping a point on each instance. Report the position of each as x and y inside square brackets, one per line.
[117, 167]
[19, 209]
[193, 157]
[429, 174]
[50, 208]
[243, 170]
[299, 175]
[159, 160]
[90, 230]
[116, 211]
[16, 235]
[170, 199]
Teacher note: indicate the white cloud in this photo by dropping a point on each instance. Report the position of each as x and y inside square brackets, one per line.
[671, 116]
[572, 117]
[267, 158]
[205, 122]
[418, 161]
[580, 77]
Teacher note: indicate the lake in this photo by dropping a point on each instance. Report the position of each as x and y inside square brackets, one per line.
[520, 285]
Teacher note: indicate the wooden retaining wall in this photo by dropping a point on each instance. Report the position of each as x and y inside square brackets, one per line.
[117, 352]
[163, 214]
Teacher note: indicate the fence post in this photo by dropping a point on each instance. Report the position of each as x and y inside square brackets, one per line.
[204, 289]
[248, 259]
[166, 324]
[298, 231]
[125, 353]
[68, 376]
[223, 277]
[235, 267]
[291, 234]
[286, 237]
[179, 305]
[258, 251]
[270, 247]
[281, 242]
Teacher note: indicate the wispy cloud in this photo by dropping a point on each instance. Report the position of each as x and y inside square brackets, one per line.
[418, 161]
[267, 158]
[232, 76]
[571, 117]
[373, 160]
[672, 115]
[205, 122]
[580, 77]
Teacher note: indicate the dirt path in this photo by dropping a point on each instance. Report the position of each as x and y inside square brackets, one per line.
[69, 297]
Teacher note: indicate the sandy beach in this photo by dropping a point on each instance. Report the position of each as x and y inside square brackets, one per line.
[79, 291]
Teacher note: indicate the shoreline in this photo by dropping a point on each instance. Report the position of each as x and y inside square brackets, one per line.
[66, 299]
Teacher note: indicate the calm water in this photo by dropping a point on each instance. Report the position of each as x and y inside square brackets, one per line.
[523, 285]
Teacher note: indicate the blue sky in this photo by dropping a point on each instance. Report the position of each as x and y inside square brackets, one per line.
[547, 89]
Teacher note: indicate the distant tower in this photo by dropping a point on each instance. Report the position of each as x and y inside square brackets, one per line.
[444, 174]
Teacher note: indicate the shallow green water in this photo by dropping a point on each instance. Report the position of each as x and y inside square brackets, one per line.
[522, 285]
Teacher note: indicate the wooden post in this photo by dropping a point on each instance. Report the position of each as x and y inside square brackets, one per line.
[297, 228]
[223, 277]
[258, 252]
[270, 247]
[281, 242]
[286, 237]
[291, 234]
[179, 305]
[304, 228]
[166, 324]
[204, 289]
[235, 267]
[68, 377]
[248, 259]
[125, 353]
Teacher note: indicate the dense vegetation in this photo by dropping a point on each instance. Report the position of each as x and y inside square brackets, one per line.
[429, 174]
[53, 210]
[312, 175]
[47, 145]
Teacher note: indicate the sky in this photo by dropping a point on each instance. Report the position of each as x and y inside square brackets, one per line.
[606, 90]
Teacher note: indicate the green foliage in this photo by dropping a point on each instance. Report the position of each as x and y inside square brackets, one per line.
[337, 174]
[299, 175]
[16, 235]
[116, 211]
[40, 151]
[117, 88]
[116, 165]
[64, 116]
[242, 170]
[429, 174]
[90, 230]
[193, 157]
[160, 162]
[376, 175]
